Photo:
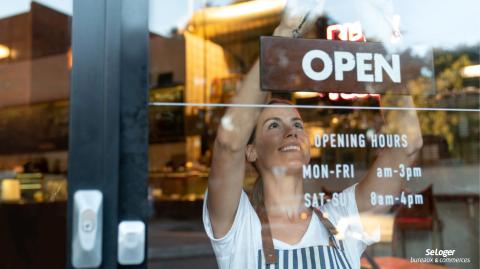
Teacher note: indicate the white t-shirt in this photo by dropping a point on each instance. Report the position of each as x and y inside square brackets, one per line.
[239, 247]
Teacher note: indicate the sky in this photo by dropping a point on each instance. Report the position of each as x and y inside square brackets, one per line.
[445, 23]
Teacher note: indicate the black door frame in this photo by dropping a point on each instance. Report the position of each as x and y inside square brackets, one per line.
[108, 132]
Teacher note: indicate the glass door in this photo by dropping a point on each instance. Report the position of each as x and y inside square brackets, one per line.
[401, 79]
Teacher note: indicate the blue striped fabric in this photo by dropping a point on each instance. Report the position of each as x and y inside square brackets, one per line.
[321, 257]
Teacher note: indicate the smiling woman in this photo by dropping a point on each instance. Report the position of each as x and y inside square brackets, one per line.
[274, 225]
[274, 153]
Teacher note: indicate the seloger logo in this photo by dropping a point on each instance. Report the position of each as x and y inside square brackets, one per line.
[441, 252]
[439, 256]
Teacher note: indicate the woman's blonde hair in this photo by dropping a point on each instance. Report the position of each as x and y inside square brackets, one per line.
[256, 195]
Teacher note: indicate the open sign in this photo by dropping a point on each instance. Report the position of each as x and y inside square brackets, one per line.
[288, 64]
[369, 66]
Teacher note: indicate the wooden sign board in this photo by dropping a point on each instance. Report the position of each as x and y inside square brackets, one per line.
[288, 65]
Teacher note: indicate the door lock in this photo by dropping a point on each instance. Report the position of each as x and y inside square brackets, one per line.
[131, 242]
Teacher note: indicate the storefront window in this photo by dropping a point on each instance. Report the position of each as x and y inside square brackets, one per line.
[199, 64]
[282, 134]
[35, 64]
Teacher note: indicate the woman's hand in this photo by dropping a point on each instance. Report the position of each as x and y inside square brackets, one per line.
[403, 121]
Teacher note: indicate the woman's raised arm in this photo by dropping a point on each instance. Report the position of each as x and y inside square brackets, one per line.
[228, 160]
[399, 122]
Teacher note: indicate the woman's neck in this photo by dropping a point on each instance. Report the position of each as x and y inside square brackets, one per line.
[283, 197]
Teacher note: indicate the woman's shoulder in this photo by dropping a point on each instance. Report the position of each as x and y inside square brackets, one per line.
[245, 217]
[247, 207]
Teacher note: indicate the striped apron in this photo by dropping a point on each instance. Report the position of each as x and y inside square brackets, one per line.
[329, 256]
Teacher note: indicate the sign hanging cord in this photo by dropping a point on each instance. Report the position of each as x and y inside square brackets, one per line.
[296, 32]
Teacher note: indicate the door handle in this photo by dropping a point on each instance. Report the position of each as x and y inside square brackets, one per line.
[87, 229]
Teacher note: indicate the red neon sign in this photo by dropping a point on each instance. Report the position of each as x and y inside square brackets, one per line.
[346, 32]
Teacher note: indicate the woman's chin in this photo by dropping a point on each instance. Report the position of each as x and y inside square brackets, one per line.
[291, 167]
